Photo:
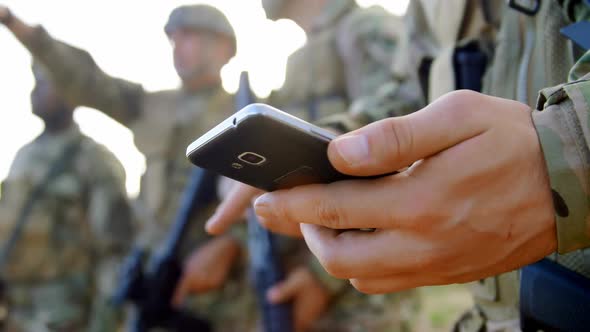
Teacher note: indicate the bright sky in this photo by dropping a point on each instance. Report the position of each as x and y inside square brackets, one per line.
[126, 39]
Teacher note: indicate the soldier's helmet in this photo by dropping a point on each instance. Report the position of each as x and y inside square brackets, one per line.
[273, 8]
[200, 17]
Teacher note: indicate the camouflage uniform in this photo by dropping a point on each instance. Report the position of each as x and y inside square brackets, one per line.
[81, 218]
[163, 124]
[527, 54]
[345, 59]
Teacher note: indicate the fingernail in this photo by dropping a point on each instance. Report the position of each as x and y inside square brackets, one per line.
[262, 206]
[210, 224]
[353, 149]
[271, 295]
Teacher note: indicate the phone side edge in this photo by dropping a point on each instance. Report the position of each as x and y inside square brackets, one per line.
[286, 118]
[210, 135]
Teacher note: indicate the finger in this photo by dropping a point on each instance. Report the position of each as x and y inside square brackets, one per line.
[389, 202]
[181, 292]
[391, 144]
[368, 255]
[285, 290]
[283, 228]
[392, 284]
[232, 209]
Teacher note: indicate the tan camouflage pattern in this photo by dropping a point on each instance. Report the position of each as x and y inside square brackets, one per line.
[342, 62]
[164, 123]
[78, 228]
[562, 123]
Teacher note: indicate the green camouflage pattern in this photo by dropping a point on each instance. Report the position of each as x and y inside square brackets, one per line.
[341, 63]
[78, 229]
[163, 123]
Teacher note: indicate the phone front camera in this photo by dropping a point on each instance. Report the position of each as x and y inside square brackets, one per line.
[252, 158]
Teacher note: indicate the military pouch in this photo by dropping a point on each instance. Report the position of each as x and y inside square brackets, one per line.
[553, 298]
[470, 64]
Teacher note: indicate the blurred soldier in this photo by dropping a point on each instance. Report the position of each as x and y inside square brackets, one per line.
[163, 124]
[480, 222]
[346, 58]
[76, 224]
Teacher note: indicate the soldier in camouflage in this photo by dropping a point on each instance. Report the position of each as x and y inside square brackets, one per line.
[163, 123]
[345, 59]
[61, 270]
[498, 183]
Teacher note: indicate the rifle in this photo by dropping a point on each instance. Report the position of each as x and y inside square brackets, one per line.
[265, 267]
[151, 289]
[553, 298]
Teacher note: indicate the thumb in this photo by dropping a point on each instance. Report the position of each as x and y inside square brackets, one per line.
[394, 143]
[284, 290]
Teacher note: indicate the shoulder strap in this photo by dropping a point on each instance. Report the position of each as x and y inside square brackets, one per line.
[56, 169]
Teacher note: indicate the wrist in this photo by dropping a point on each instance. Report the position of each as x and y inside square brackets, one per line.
[7, 19]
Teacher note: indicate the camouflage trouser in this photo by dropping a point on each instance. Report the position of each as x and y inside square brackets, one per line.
[61, 305]
[356, 312]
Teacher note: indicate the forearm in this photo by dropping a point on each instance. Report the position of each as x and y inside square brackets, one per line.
[77, 76]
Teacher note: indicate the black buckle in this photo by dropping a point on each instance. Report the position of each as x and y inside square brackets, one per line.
[528, 7]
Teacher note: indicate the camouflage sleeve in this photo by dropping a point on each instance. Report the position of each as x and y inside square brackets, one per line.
[369, 41]
[82, 82]
[562, 121]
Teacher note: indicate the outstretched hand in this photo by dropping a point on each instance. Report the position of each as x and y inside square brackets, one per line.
[5, 14]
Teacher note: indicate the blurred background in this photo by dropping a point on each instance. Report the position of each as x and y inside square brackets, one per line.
[126, 39]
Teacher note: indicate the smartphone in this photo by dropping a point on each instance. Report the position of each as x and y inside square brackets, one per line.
[266, 148]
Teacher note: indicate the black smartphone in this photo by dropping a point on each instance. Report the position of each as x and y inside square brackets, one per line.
[266, 148]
